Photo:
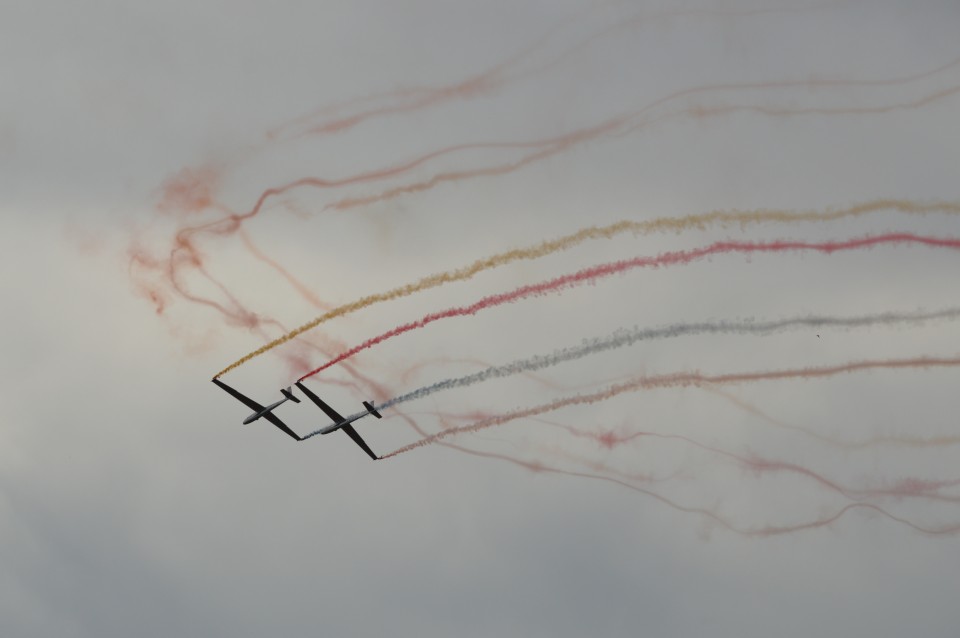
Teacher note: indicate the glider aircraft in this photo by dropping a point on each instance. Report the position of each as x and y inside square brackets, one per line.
[287, 395]
[339, 422]
[261, 411]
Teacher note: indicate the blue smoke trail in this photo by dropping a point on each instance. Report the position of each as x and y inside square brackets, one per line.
[627, 337]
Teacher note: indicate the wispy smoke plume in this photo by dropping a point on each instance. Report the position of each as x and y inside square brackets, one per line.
[720, 218]
[600, 271]
[685, 379]
[627, 337]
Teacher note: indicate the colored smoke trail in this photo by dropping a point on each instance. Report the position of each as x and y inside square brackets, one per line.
[646, 116]
[408, 99]
[884, 439]
[680, 380]
[665, 259]
[823, 520]
[619, 124]
[721, 218]
[760, 531]
[630, 483]
[625, 337]
[499, 75]
[192, 191]
[413, 149]
[909, 487]
[295, 283]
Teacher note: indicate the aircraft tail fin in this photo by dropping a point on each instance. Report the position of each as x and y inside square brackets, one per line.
[288, 393]
[372, 410]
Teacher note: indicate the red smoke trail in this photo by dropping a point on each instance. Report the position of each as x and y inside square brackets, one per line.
[629, 122]
[679, 380]
[191, 191]
[885, 439]
[185, 254]
[701, 111]
[552, 147]
[560, 143]
[408, 99]
[907, 487]
[765, 531]
[396, 170]
[534, 466]
[297, 285]
[537, 466]
[664, 259]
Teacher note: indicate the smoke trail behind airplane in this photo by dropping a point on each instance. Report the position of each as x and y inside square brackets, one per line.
[679, 380]
[628, 337]
[721, 218]
[601, 271]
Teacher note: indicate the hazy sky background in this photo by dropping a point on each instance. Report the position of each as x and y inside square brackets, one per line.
[132, 501]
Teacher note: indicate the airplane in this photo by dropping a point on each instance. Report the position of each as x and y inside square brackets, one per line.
[341, 423]
[287, 396]
[261, 411]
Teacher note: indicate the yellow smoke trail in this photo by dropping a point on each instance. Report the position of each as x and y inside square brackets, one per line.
[681, 380]
[662, 224]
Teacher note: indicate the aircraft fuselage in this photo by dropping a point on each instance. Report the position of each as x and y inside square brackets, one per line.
[350, 419]
[256, 415]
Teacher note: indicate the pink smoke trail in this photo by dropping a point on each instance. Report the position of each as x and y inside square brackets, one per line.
[898, 440]
[909, 487]
[330, 119]
[762, 531]
[665, 259]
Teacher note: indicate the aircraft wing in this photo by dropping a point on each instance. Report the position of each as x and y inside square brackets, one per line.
[256, 407]
[359, 441]
[273, 418]
[247, 401]
[337, 418]
[330, 412]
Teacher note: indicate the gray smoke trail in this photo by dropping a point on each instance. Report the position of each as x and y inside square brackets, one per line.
[626, 337]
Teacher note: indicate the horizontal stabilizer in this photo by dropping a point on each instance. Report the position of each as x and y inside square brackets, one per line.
[372, 410]
[289, 394]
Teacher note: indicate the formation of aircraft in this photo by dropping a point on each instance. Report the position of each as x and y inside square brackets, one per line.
[339, 422]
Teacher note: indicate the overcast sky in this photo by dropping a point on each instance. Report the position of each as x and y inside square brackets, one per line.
[132, 501]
